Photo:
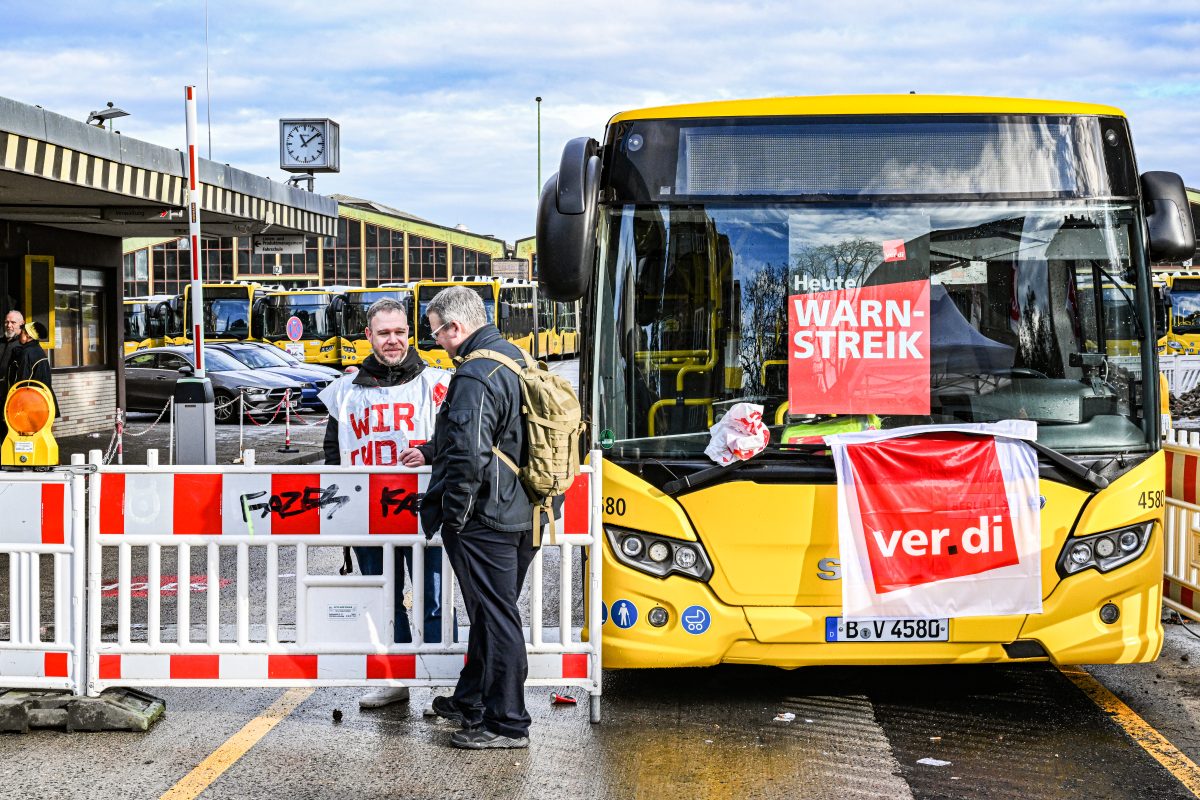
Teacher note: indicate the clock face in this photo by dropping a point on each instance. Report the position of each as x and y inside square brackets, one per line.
[305, 143]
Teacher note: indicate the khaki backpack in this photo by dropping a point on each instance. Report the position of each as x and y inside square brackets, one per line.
[552, 417]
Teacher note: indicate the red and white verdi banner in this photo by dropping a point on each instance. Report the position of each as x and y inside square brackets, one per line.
[860, 350]
[939, 521]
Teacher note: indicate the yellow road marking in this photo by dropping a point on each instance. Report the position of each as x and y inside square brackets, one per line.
[1149, 739]
[236, 746]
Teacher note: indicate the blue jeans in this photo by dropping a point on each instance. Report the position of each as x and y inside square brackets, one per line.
[370, 562]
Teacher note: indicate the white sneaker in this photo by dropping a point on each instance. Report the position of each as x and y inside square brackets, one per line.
[384, 697]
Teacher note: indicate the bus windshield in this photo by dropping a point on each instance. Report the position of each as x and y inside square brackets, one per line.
[136, 327]
[1026, 301]
[310, 309]
[486, 292]
[1185, 306]
[227, 317]
[354, 315]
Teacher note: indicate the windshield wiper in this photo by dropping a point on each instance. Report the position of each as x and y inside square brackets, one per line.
[711, 474]
[1092, 479]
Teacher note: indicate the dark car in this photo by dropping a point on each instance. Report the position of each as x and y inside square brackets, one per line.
[150, 377]
[259, 356]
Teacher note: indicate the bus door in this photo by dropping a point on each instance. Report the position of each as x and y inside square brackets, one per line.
[678, 350]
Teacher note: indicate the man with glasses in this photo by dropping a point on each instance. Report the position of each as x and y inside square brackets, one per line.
[485, 519]
[383, 415]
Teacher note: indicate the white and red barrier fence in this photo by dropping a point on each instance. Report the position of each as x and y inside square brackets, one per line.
[228, 576]
[42, 538]
[1181, 550]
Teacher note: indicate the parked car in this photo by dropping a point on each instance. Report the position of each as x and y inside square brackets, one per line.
[150, 377]
[259, 356]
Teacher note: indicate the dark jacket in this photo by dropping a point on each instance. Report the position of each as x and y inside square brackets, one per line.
[8, 349]
[372, 373]
[481, 410]
[29, 362]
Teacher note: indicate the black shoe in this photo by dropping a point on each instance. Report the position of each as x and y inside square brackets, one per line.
[483, 739]
[446, 708]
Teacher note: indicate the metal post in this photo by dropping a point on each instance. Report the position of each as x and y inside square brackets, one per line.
[194, 395]
[120, 437]
[287, 424]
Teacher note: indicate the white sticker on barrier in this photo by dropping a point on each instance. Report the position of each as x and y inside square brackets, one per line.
[149, 505]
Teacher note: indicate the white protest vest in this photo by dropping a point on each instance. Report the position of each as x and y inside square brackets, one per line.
[375, 422]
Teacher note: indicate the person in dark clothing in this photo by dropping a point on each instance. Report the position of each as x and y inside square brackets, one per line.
[383, 415]
[13, 322]
[30, 362]
[486, 522]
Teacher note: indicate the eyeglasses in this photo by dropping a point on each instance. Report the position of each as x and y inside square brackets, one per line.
[438, 330]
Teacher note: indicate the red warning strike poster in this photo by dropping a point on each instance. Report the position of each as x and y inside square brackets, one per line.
[860, 350]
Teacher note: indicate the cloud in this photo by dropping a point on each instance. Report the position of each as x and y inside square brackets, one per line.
[436, 101]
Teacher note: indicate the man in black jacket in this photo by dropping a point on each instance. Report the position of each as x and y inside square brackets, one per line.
[486, 522]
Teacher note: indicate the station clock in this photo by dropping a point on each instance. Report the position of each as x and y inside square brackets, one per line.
[308, 145]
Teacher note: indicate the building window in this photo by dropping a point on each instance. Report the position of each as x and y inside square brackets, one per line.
[385, 256]
[343, 255]
[426, 259]
[80, 303]
[471, 262]
[137, 273]
[172, 261]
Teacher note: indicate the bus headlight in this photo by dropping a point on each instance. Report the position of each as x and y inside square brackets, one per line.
[1105, 551]
[658, 555]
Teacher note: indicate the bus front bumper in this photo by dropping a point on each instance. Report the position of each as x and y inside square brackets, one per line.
[1068, 631]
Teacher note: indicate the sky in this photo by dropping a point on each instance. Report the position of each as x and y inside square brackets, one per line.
[436, 100]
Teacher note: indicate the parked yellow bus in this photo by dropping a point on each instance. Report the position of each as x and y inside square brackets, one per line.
[558, 329]
[228, 311]
[685, 232]
[318, 342]
[350, 306]
[509, 303]
[1183, 329]
[150, 322]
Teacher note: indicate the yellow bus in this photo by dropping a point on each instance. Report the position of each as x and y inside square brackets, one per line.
[228, 311]
[687, 229]
[558, 329]
[1183, 329]
[150, 322]
[350, 306]
[318, 342]
[509, 303]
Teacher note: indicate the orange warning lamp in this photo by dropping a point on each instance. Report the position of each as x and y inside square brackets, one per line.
[29, 414]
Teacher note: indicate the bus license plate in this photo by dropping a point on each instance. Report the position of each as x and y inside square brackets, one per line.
[887, 630]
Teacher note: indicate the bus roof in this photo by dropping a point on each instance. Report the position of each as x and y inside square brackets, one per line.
[868, 104]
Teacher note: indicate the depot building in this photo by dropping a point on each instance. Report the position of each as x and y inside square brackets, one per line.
[70, 195]
[372, 245]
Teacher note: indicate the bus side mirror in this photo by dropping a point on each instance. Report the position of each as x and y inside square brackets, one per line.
[566, 222]
[1172, 235]
[1161, 301]
[257, 309]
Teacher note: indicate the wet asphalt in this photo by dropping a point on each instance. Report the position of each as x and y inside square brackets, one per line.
[991, 731]
[891, 732]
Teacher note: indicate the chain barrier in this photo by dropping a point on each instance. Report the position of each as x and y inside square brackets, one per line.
[154, 424]
[250, 415]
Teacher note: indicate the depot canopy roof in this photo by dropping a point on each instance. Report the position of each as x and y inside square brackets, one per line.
[64, 173]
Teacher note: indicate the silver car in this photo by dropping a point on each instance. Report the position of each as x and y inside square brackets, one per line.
[150, 377]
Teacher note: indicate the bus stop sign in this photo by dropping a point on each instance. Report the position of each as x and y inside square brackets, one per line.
[295, 329]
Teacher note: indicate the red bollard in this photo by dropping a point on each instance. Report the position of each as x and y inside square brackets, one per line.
[287, 424]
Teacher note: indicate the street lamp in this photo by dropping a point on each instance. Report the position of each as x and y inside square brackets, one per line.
[106, 115]
[538, 100]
